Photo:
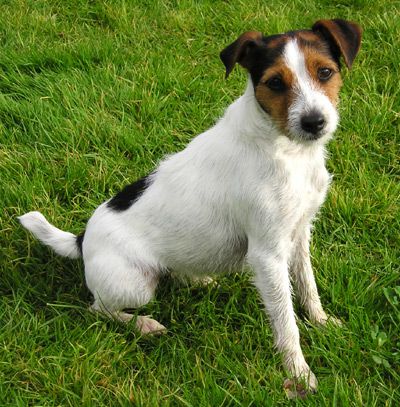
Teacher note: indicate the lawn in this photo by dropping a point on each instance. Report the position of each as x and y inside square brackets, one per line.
[92, 95]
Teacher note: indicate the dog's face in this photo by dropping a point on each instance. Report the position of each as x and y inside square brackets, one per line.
[296, 75]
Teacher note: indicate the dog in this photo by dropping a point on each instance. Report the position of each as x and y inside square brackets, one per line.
[243, 192]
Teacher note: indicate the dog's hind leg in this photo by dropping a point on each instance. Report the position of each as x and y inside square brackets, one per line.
[117, 285]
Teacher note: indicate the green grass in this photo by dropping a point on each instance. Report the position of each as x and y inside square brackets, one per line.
[92, 96]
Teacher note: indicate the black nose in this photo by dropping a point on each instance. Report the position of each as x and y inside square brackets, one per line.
[312, 122]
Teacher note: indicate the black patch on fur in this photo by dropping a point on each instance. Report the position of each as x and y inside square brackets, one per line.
[124, 199]
[261, 58]
[79, 241]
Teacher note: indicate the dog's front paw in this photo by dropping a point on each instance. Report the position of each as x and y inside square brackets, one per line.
[301, 386]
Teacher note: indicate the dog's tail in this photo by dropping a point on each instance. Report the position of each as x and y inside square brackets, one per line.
[63, 243]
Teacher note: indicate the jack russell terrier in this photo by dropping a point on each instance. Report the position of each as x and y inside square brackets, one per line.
[244, 191]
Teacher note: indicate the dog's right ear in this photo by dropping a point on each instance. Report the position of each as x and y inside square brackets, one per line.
[239, 51]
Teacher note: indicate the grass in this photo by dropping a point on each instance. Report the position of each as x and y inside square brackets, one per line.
[92, 96]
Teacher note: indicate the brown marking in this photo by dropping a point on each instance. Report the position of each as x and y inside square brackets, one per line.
[276, 104]
[277, 42]
[330, 87]
[317, 57]
[307, 36]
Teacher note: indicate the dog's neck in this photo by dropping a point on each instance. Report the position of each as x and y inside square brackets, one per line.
[250, 123]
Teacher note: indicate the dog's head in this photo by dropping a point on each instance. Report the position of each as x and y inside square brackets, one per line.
[296, 75]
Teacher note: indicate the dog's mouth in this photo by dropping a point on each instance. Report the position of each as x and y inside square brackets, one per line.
[300, 134]
[311, 135]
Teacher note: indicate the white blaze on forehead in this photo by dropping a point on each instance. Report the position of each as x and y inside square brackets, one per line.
[294, 59]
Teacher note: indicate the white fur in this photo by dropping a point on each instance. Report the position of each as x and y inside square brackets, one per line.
[239, 192]
[63, 243]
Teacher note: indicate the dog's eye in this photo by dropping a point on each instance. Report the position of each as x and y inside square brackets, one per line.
[324, 74]
[275, 83]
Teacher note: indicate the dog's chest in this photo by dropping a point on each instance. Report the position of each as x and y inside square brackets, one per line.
[303, 183]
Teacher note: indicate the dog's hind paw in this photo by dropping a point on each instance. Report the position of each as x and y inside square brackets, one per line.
[149, 326]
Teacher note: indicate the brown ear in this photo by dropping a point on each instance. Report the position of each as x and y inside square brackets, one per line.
[345, 36]
[238, 51]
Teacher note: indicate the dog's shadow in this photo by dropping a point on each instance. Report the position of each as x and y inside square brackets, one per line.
[48, 282]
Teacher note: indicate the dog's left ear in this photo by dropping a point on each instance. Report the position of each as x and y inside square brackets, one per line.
[240, 51]
[345, 36]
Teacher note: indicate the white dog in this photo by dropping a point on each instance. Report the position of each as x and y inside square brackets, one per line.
[245, 190]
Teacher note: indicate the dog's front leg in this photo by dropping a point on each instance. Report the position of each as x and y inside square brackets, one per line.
[304, 281]
[272, 280]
